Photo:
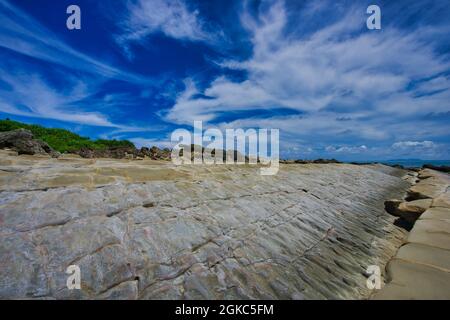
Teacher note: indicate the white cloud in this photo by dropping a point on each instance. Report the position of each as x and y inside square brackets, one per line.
[420, 149]
[414, 144]
[346, 149]
[29, 95]
[399, 150]
[433, 85]
[365, 76]
[146, 142]
[172, 18]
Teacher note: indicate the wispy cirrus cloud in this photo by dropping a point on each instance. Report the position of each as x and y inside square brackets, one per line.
[27, 94]
[21, 33]
[172, 18]
[25, 91]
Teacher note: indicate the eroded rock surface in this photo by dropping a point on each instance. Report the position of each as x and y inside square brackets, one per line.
[421, 267]
[22, 141]
[150, 230]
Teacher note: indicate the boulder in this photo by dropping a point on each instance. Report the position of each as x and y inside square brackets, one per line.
[22, 141]
[85, 153]
[409, 211]
[125, 153]
[391, 206]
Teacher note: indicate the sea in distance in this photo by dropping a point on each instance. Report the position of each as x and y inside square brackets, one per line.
[409, 163]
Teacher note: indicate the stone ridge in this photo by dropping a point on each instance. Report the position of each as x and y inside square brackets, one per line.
[421, 267]
[150, 230]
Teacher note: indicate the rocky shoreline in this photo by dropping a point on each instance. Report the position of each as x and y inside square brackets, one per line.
[421, 267]
[149, 230]
[23, 141]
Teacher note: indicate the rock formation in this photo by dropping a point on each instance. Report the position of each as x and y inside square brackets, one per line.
[22, 141]
[149, 230]
[421, 267]
[445, 169]
[125, 153]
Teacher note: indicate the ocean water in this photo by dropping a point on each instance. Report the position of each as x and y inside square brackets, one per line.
[414, 163]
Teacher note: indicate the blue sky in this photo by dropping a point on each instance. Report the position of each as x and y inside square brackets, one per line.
[139, 69]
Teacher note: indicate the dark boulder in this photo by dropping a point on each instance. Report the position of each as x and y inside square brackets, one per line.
[22, 141]
[125, 153]
[325, 161]
[114, 152]
[445, 169]
[85, 153]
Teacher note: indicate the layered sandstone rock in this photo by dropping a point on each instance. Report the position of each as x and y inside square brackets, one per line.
[421, 268]
[149, 230]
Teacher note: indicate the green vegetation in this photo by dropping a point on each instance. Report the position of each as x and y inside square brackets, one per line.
[63, 140]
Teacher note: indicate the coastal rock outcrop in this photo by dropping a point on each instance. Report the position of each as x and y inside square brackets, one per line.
[154, 153]
[410, 211]
[421, 267]
[22, 141]
[151, 230]
[445, 169]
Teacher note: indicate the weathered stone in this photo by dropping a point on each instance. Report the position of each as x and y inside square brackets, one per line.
[436, 213]
[429, 188]
[409, 211]
[422, 254]
[391, 206]
[416, 206]
[23, 142]
[149, 230]
[432, 233]
[421, 268]
[415, 281]
[22, 268]
[123, 291]
[445, 169]
[442, 201]
[125, 152]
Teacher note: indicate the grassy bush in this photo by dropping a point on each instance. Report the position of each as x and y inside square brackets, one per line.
[63, 140]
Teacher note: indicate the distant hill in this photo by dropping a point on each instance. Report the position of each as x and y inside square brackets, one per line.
[63, 140]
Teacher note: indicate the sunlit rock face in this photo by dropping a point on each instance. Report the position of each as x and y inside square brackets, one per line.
[421, 267]
[151, 230]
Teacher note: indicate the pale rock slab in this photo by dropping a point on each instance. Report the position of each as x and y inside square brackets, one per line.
[421, 268]
[415, 281]
[150, 230]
